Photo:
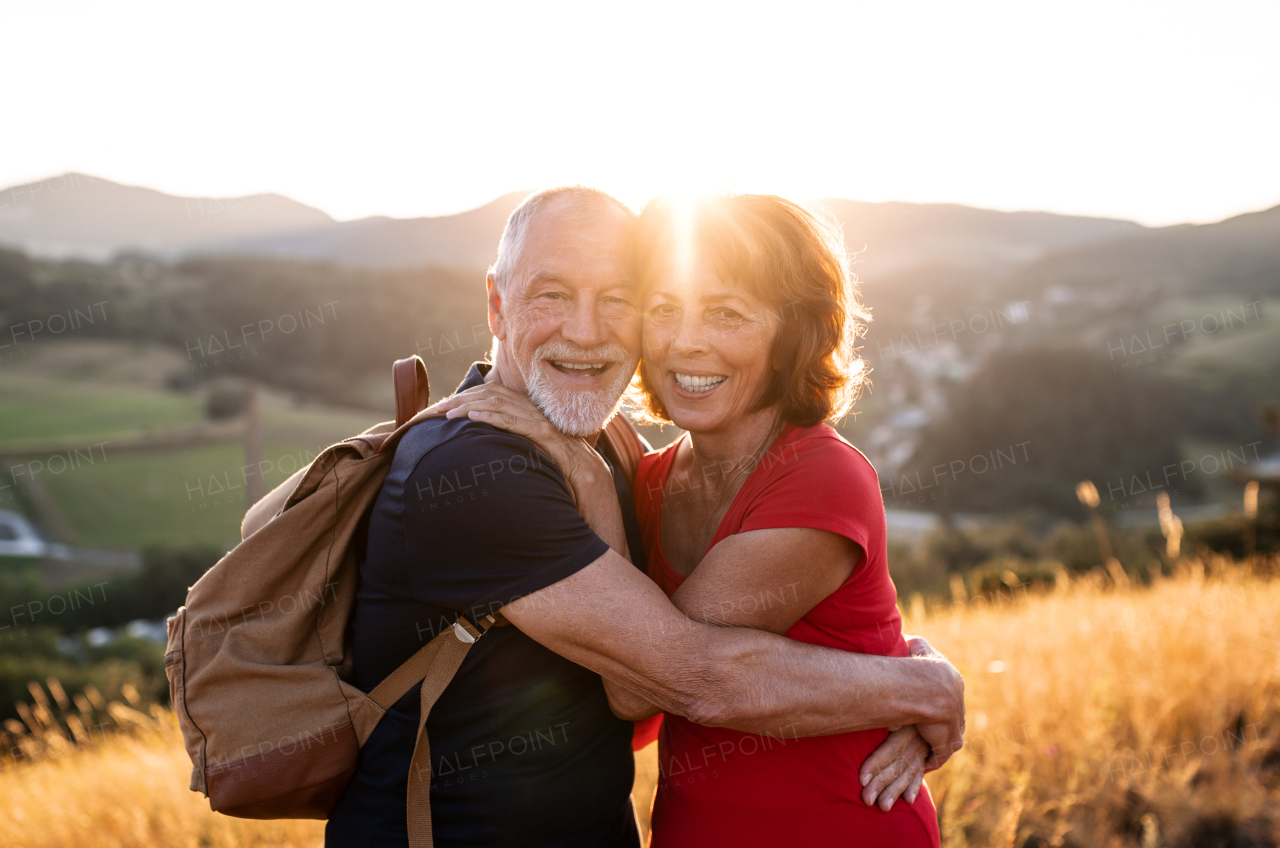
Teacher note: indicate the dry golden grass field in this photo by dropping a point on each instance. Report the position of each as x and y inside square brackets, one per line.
[1098, 714]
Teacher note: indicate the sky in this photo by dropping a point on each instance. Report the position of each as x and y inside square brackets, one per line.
[1161, 113]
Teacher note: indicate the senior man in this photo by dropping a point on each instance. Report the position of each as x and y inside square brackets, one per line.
[471, 519]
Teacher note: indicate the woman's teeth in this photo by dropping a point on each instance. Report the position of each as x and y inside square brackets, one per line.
[698, 384]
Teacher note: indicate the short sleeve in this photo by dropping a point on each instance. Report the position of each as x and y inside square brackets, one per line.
[488, 519]
[820, 482]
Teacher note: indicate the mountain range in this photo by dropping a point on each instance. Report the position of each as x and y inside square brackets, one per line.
[81, 216]
[85, 217]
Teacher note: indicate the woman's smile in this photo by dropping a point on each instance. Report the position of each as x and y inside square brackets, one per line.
[697, 386]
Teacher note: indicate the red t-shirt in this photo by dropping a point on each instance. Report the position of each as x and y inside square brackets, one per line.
[724, 787]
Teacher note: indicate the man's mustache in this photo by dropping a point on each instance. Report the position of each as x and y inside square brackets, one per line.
[600, 353]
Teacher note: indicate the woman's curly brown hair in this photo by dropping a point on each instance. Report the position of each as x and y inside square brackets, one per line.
[789, 258]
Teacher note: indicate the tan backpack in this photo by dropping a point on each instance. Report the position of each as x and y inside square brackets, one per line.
[258, 658]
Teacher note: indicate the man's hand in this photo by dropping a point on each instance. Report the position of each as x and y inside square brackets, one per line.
[944, 737]
[896, 768]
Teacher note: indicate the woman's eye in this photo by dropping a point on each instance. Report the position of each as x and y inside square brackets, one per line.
[727, 314]
[664, 310]
[553, 296]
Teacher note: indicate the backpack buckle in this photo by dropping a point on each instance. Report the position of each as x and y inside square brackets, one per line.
[466, 632]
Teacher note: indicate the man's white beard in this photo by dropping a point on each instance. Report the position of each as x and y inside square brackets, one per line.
[577, 413]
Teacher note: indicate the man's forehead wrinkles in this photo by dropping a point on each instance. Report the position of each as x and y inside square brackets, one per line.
[583, 249]
[589, 282]
[551, 228]
[568, 267]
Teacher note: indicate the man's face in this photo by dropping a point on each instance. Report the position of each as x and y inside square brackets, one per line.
[568, 324]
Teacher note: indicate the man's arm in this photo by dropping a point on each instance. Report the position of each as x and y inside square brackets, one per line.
[613, 620]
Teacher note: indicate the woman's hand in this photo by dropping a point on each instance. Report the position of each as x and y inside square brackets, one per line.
[920, 647]
[895, 769]
[494, 403]
[588, 475]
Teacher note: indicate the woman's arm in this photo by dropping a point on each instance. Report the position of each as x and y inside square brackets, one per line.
[588, 475]
[767, 579]
[764, 579]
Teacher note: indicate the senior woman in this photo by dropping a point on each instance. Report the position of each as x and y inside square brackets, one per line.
[761, 515]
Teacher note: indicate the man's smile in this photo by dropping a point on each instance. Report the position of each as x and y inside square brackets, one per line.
[590, 369]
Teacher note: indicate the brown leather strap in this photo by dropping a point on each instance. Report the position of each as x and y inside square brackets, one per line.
[444, 666]
[627, 445]
[396, 684]
[434, 664]
[413, 388]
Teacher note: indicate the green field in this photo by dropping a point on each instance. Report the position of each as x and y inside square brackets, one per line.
[178, 498]
[33, 407]
[1221, 343]
[135, 497]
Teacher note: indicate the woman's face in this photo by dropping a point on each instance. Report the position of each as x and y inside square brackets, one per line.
[706, 347]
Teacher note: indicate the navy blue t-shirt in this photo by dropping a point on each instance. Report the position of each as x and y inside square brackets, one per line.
[524, 748]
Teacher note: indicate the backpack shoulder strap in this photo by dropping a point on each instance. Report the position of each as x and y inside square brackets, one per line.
[420, 665]
[627, 444]
[413, 388]
[435, 664]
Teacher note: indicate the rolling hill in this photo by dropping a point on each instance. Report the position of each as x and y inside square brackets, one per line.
[466, 240]
[1239, 255]
[84, 217]
[889, 238]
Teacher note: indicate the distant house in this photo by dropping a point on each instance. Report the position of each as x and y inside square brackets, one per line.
[910, 528]
[1265, 471]
[18, 538]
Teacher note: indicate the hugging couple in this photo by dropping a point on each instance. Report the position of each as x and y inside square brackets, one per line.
[737, 593]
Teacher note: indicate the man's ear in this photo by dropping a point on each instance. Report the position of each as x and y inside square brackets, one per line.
[497, 325]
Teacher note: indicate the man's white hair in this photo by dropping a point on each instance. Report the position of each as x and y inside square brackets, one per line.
[577, 200]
